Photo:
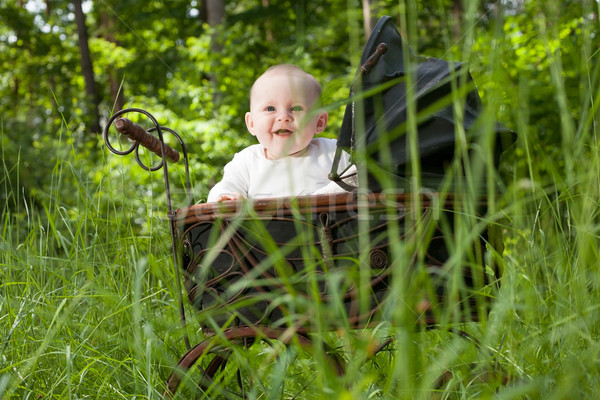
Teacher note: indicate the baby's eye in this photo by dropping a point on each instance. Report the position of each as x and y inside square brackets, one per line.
[269, 108]
[297, 108]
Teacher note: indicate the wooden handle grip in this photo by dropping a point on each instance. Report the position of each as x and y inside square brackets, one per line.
[152, 143]
[372, 60]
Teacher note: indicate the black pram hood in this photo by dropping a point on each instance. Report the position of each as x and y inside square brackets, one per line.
[381, 104]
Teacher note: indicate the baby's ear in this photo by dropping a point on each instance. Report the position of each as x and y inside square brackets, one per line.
[322, 122]
[250, 123]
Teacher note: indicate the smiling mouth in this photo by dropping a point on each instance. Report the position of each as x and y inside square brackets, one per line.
[283, 132]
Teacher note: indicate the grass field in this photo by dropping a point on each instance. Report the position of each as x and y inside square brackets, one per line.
[89, 307]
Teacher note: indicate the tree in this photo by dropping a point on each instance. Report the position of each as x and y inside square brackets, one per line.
[215, 15]
[87, 68]
[117, 95]
[215, 11]
[370, 10]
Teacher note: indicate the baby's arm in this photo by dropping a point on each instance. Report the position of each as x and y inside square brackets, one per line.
[234, 185]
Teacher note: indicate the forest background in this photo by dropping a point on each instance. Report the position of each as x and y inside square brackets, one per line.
[65, 69]
[80, 226]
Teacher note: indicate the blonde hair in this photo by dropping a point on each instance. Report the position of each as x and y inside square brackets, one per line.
[311, 81]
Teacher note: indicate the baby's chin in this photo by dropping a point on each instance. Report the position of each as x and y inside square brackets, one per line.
[277, 155]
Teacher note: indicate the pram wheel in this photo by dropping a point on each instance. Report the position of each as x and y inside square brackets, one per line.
[251, 363]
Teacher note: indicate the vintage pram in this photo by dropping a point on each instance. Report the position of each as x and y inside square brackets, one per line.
[255, 271]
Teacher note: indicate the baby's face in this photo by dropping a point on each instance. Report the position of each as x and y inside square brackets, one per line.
[280, 102]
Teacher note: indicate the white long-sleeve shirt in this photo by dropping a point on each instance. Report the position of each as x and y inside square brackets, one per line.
[252, 175]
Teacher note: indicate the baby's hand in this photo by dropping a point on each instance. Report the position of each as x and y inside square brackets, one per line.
[233, 196]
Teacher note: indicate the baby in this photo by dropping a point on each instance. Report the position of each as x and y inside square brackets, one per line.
[288, 161]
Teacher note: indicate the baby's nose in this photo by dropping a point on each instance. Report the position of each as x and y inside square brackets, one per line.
[284, 115]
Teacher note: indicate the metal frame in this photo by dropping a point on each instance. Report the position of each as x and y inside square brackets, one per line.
[162, 152]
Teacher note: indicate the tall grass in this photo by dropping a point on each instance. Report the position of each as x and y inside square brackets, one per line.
[89, 300]
[86, 304]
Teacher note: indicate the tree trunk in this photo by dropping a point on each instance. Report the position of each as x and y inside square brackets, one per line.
[202, 12]
[87, 68]
[116, 90]
[457, 18]
[16, 83]
[370, 10]
[268, 29]
[215, 13]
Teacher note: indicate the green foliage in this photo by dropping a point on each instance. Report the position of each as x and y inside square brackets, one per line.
[196, 78]
[535, 75]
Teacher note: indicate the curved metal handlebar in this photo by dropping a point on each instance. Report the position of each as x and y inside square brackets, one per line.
[157, 145]
[138, 134]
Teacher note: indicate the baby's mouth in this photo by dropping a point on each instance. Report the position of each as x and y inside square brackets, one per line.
[283, 132]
